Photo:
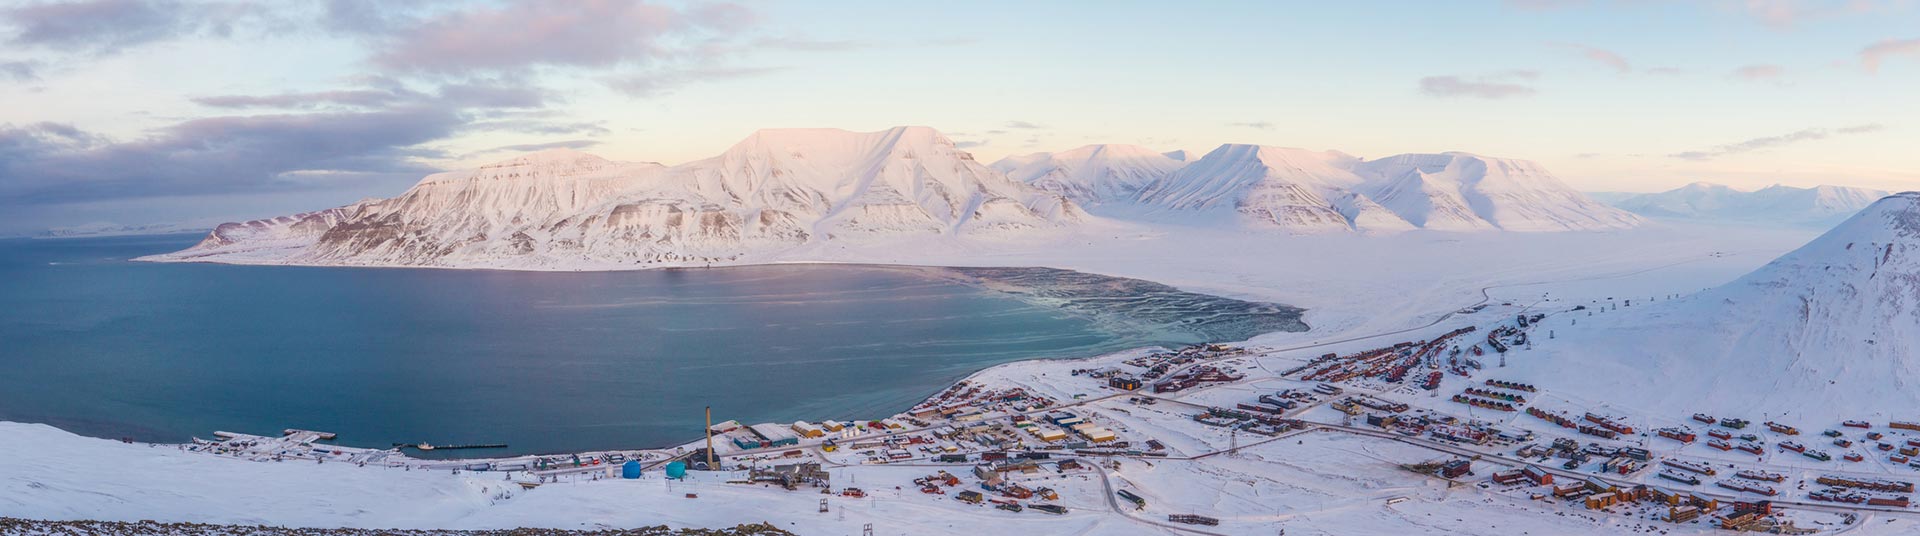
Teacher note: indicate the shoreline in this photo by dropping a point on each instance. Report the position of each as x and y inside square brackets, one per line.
[942, 273]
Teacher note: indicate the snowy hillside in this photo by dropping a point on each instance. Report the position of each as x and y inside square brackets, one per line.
[1820, 206]
[1093, 174]
[1310, 192]
[1828, 331]
[777, 189]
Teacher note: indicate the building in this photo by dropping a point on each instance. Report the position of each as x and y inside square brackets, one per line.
[1456, 469]
[1539, 477]
[724, 427]
[1509, 477]
[807, 429]
[745, 441]
[774, 435]
[1124, 383]
[1683, 514]
[791, 476]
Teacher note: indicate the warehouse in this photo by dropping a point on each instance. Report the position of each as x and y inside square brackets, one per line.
[774, 435]
[807, 429]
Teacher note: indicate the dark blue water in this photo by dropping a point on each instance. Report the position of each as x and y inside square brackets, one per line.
[546, 362]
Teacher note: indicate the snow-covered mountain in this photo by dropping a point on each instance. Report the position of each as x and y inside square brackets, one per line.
[1819, 206]
[777, 189]
[1093, 174]
[1302, 191]
[1828, 330]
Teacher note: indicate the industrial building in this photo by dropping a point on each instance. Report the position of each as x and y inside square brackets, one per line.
[773, 435]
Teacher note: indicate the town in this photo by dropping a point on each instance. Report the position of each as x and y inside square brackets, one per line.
[1063, 438]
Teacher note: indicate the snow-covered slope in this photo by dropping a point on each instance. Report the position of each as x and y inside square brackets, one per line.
[1092, 174]
[1513, 195]
[1315, 192]
[1829, 330]
[1293, 190]
[777, 189]
[1819, 206]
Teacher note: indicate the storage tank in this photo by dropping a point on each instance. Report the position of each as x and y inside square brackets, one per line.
[677, 470]
[630, 470]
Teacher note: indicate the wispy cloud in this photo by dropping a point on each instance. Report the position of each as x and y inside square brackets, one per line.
[523, 34]
[1494, 86]
[1261, 125]
[1776, 14]
[969, 144]
[662, 82]
[531, 147]
[1024, 125]
[1608, 58]
[1759, 73]
[1877, 53]
[802, 44]
[1771, 142]
[19, 71]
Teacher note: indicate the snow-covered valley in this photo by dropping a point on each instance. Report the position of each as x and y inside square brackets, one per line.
[1392, 259]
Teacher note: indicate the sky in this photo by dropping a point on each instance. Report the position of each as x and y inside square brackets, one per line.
[157, 111]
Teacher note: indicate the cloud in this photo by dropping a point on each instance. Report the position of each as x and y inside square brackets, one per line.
[801, 44]
[19, 71]
[1775, 14]
[1787, 14]
[314, 99]
[969, 144]
[1261, 125]
[1759, 73]
[1608, 58]
[310, 141]
[662, 82]
[1541, 5]
[1496, 86]
[523, 34]
[52, 164]
[1024, 125]
[532, 147]
[1771, 142]
[108, 26]
[1877, 53]
[479, 94]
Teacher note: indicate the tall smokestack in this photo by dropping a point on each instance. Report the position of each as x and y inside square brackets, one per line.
[710, 465]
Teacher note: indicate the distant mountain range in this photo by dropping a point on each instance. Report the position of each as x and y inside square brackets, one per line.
[1819, 206]
[781, 189]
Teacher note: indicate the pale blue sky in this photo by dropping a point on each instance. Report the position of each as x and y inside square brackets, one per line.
[136, 111]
